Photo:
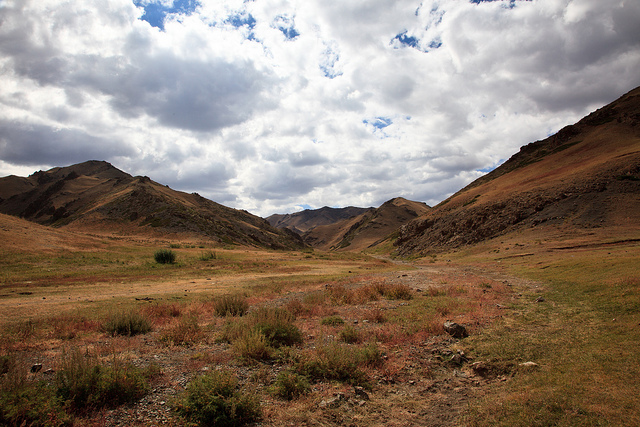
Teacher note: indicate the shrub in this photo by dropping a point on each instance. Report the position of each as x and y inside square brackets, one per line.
[84, 384]
[277, 326]
[25, 402]
[349, 335]
[185, 332]
[214, 400]
[341, 363]
[258, 334]
[208, 256]
[165, 256]
[332, 321]
[289, 385]
[253, 346]
[376, 316]
[231, 305]
[127, 323]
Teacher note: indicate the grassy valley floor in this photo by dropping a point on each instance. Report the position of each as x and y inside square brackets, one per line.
[322, 339]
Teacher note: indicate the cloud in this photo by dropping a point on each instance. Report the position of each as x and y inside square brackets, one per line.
[29, 144]
[272, 105]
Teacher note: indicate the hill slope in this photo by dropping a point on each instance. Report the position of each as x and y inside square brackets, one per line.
[302, 222]
[99, 197]
[367, 229]
[586, 177]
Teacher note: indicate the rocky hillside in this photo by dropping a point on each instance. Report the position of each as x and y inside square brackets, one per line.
[367, 229]
[95, 196]
[302, 222]
[587, 176]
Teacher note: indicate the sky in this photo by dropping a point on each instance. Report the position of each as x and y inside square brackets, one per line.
[273, 106]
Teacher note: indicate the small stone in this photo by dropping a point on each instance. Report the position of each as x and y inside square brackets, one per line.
[36, 368]
[359, 391]
[540, 299]
[455, 330]
[528, 365]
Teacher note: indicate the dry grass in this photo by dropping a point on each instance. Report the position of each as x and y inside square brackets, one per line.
[392, 340]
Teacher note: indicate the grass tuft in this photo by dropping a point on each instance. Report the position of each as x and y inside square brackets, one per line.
[185, 331]
[231, 305]
[127, 323]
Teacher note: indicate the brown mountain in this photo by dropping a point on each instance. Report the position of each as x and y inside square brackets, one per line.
[301, 222]
[95, 196]
[584, 179]
[367, 229]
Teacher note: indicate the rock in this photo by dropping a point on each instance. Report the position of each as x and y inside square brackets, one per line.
[540, 299]
[480, 368]
[531, 365]
[455, 330]
[359, 391]
[458, 359]
[334, 402]
[36, 368]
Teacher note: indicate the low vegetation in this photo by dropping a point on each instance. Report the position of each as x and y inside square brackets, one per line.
[214, 399]
[127, 323]
[165, 256]
[284, 339]
[81, 385]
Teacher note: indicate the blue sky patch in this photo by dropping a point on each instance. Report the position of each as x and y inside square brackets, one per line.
[241, 20]
[286, 25]
[406, 40]
[329, 61]
[155, 12]
[379, 122]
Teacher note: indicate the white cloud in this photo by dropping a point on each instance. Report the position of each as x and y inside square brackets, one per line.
[275, 104]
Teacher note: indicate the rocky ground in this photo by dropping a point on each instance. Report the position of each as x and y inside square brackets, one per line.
[426, 382]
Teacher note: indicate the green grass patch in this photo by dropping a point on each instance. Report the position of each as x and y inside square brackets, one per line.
[584, 337]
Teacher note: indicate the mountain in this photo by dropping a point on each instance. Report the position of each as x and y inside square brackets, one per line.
[584, 179]
[302, 222]
[96, 196]
[367, 229]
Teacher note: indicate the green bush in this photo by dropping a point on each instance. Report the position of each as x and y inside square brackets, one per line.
[289, 385]
[277, 326]
[127, 323]
[332, 321]
[84, 384]
[214, 400]
[165, 256]
[349, 335]
[231, 305]
[257, 335]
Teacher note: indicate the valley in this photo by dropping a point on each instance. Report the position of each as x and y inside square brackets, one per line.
[514, 302]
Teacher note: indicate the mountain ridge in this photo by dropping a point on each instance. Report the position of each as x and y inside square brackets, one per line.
[585, 177]
[95, 195]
